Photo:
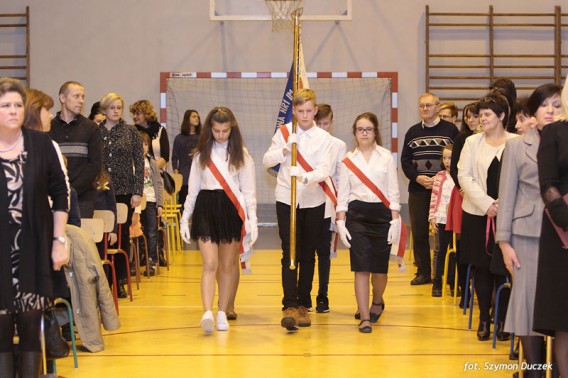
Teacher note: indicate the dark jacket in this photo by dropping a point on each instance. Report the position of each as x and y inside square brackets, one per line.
[80, 142]
[43, 177]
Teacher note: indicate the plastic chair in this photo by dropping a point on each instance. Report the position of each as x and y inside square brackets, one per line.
[137, 247]
[171, 217]
[506, 285]
[472, 291]
[71, 325]
[451, 249]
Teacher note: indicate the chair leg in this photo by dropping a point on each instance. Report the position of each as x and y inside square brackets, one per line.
[71, 325]
[147, 255]
[471, 302]
[135, 249]
[128, 279]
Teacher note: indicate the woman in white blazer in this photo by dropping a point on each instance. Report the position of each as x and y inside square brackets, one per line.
[478, 174]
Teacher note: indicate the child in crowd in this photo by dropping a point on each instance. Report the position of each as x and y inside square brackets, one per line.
[153, 191]
[441, 193]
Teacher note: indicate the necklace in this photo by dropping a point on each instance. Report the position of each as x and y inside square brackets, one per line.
[10, 148]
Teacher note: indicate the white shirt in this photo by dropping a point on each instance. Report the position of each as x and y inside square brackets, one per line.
[315, 146]
[380, 169]
[203, 179]
[338, 151]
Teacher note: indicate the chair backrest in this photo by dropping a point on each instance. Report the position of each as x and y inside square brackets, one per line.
[107, 217]
[94, 227]
[143, 202]
[121, 213]
[178, 181]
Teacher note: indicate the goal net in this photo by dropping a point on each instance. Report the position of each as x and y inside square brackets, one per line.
[255, 99]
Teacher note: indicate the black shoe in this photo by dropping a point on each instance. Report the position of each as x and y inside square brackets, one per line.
[483, 331]
[375, 316]
[121, 293]
[152, 272]
[162, 261]
[437, 287]
[501, 334]
[357, 315]
[322, 304]
[421, 279]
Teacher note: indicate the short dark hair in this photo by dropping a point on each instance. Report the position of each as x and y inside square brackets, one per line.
[540, 94]
[497, 103]
[67, 84]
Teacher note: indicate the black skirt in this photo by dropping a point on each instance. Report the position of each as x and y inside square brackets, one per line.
[368, 223]
[215, 218]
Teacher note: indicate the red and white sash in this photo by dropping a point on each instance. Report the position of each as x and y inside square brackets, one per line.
[237, 198]
[326, 185]
[397, 248]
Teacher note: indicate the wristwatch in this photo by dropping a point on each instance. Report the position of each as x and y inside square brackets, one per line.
[61, 239]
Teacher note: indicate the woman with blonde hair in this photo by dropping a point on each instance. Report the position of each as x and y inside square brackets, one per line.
[123, 159]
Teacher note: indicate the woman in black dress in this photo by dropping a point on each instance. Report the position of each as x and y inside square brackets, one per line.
[551, 303]
[32, 237]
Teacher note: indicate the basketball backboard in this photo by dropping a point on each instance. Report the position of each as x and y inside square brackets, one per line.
[256, 10]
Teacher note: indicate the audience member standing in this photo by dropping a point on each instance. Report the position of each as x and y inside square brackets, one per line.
[479, 178]
[123, 159]
[146, 120]
[80, 142]
[32, 237]
[421, 159]
[551, 304]
[184, 144]
[520, 210]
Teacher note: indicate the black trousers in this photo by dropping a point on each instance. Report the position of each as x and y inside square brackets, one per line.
[297, 283]
[324, 251]
[419, 206]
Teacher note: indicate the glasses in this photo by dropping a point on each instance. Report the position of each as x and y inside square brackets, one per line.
[426, 106]
[445, 117]
[364, 130]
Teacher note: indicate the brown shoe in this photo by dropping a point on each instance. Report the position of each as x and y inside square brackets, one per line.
[303, 317]
[290, 319]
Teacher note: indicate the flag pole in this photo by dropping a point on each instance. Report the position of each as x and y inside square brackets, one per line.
[296, 14]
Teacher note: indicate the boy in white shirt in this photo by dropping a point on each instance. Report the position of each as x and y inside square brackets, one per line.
[314, 166]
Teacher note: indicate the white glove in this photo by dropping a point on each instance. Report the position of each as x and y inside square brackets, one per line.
[293, 138]
[297, 172]
[343, 233]
[253, 234]
[184, 231]
[394, 230]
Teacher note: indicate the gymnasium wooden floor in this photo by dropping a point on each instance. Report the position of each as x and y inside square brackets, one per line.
[418, 336]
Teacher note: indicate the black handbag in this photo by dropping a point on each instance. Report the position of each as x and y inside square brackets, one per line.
[169, 183]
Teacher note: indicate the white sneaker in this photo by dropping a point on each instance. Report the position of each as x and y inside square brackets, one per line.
[207, 322]
[222, 324]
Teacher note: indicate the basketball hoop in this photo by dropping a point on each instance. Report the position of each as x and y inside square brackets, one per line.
[281, 11]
